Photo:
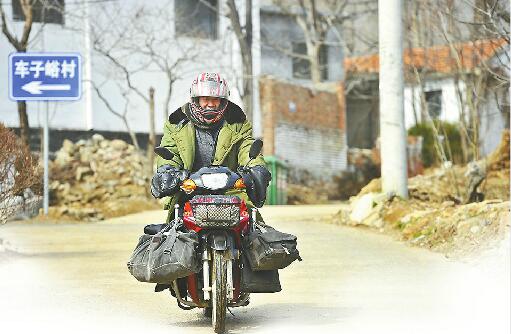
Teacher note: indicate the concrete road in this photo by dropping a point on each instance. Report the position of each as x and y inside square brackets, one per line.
[72, 278]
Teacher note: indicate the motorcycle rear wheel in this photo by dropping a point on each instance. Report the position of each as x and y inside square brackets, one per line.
[219, 293]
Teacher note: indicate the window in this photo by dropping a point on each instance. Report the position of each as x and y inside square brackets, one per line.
[44, 11]
[196, 18]
[302, 68]
[434, 103]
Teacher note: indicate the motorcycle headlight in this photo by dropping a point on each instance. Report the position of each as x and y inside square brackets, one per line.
[214, 181]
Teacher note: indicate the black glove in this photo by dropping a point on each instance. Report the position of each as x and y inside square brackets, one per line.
[166, 181]
[256, 180]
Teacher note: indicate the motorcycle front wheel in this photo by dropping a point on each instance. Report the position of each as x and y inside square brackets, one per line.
[219, 293]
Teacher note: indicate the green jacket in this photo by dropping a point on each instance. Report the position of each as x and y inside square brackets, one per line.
[232, 148]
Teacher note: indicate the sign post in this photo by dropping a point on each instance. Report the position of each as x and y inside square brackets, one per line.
[45, 77]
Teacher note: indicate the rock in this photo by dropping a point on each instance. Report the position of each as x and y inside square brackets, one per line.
[487, 222]
[362, 207]
[447, 204]
[68, 147]
[374, 219]
[103, 144]
[81, 171]
[54, 184]
[62, 210]
[418, 239]
[141, 182]
[380, 198]
[414, 215]
[475, 229]
[86, 155]
[112, 183]
[371, 187]
[90, 174]
[97, 138]
[126, 180]
[118, 144]
[64, 189]
[62, 158]
[120, 169]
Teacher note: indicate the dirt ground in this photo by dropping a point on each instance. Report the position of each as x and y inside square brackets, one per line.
[438, 214]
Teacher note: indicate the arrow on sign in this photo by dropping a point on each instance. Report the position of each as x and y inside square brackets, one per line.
[36, 87]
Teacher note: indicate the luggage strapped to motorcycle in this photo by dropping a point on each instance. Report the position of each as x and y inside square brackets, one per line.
[268, 249]
[165, 256]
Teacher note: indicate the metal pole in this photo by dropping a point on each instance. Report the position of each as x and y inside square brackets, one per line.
[46, 145]
[256, 70]
[46, 154]
[392, 129]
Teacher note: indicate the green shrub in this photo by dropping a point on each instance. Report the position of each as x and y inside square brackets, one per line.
[429, 154]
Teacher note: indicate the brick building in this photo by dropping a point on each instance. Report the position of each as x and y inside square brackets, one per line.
[304, 127]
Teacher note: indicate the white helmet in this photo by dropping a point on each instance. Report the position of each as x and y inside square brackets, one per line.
[208, 84]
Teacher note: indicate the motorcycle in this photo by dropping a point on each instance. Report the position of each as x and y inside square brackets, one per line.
[221, 221]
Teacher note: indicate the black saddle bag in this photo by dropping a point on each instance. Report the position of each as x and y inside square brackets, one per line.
[269, 249]
[165, 256]
[263, 281]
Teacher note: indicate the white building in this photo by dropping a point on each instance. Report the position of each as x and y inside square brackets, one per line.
[444, 84]
[123, 30]
[142, 36]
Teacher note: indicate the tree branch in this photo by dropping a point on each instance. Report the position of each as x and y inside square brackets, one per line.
[5, 29]
[26, 6]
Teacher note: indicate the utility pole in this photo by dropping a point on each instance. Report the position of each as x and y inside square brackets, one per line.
[392, 129]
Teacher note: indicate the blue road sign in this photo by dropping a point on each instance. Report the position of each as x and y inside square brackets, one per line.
[45, 76]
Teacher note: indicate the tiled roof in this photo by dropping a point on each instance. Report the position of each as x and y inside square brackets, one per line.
[437, 59]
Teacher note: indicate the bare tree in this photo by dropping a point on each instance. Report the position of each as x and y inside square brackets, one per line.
[244, 36]
[28, 35]
[140, 41]
[316, 19]
[489, 42]
[473, 35]
[20, 44]
[122, 115]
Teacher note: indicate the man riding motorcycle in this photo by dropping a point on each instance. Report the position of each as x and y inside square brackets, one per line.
[208, 130]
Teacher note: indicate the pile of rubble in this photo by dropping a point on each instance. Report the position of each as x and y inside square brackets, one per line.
[97, 178]
[298, 194]
[438, 214]
[363, 166]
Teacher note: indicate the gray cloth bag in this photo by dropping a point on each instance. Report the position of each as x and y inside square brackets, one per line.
[165, 256]
[269, 249]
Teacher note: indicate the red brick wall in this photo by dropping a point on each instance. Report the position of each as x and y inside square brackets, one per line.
[315, 110]
[318, 120]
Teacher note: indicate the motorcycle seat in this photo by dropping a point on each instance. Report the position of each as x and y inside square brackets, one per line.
[152, 229]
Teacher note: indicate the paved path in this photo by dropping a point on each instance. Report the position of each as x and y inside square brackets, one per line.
[72, 278]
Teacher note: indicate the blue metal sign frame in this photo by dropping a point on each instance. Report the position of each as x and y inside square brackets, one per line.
[48, 76]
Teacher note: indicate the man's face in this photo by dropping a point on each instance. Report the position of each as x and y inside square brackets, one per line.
[208, 102]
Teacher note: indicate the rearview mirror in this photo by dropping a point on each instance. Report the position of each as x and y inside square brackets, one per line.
[164, 152]
[255, 149]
